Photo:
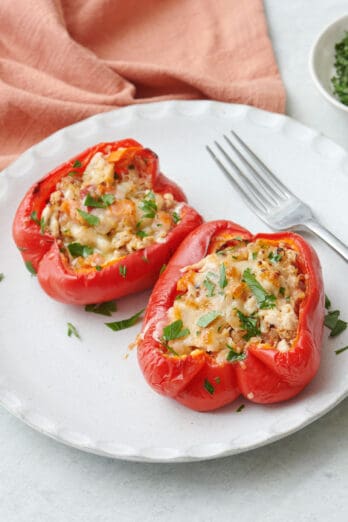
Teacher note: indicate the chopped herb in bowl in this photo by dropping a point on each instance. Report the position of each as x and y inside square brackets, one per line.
[340, 80]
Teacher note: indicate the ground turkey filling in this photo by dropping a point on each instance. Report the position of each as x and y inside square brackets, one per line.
[101, 216]
[246, 294]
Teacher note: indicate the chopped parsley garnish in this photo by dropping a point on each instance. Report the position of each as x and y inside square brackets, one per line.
[77, 164]
[125, 323]
[240, 408]
[334, 323]
[340, 326]
[122, 270]
[73, 331]
[210, 286]
[264, 300]
[340, 350]
[78, 250]
[282, 290]
[171, 350]
[331, 319]
[174, 330]
[34, 217]
[98, 268]
[234, 356]
[176, 217]
[2, 277]
[222, 280]
[106, 308]
[209, 387]
[30, 267]
[72, 173]
[41, 222]
[249, 324]
[254, 255]
[217, 380]
[274, 257]
[208, 318]
[163, 267]
[340, 80]
[104, 201]
[89, 218]
[148, 205]
[141, 234]
[327, 302]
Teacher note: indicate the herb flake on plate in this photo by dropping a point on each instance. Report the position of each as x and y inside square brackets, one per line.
[72, 330]
[116, 326]
[107, 308]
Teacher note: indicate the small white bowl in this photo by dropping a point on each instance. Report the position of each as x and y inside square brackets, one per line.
[322, 59]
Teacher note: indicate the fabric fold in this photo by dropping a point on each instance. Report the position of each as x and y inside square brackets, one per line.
[63, 60]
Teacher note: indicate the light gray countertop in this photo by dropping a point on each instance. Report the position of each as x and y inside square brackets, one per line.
[302, 477]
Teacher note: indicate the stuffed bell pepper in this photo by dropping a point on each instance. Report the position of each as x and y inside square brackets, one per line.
[234, 314]
[102, 225]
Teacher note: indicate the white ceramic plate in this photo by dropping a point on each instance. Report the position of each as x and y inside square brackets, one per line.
[85, 393]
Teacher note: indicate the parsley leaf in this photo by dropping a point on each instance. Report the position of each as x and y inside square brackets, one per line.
[2, 277]
[34, 217]
[340, 350]
[174, 330]
[105, 201]
[148, 205]
[335, 324]
[123, 271]
[106, 308]
[176, 217]
[327, 302]
[163, 267]
[331, 319]
[78, 250]
[210, 286]
[274, 257]
[125, 323]
[240, 408]
[73, 331]
[89, 218]
[30, 267]
[222, 280]
[339, 327]
[77, 164]
[234, 356]
[208, 318]
[141, 234]
[209, 387]
[249, 324]
[263, 299]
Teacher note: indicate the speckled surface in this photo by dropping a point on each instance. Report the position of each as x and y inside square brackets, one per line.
[302, 477]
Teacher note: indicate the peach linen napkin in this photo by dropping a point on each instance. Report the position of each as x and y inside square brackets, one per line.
[64, 60]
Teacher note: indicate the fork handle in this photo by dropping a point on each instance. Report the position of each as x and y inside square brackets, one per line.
[329, 238]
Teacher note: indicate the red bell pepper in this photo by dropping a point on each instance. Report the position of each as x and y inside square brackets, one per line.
[266, 375]
[132, 273]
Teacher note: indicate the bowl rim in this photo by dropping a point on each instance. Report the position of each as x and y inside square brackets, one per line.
[329, 96]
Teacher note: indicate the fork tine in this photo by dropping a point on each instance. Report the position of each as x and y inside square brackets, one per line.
[255, 205]
[269, 191]
[278, 184]
[251, 187]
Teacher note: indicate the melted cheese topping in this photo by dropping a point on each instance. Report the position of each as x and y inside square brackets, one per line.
[127, 215]
[222, 312]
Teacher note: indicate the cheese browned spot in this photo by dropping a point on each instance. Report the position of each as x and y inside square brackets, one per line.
[131, 216]
[222, 312]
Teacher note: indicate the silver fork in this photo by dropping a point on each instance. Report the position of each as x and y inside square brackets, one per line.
[266, 195]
